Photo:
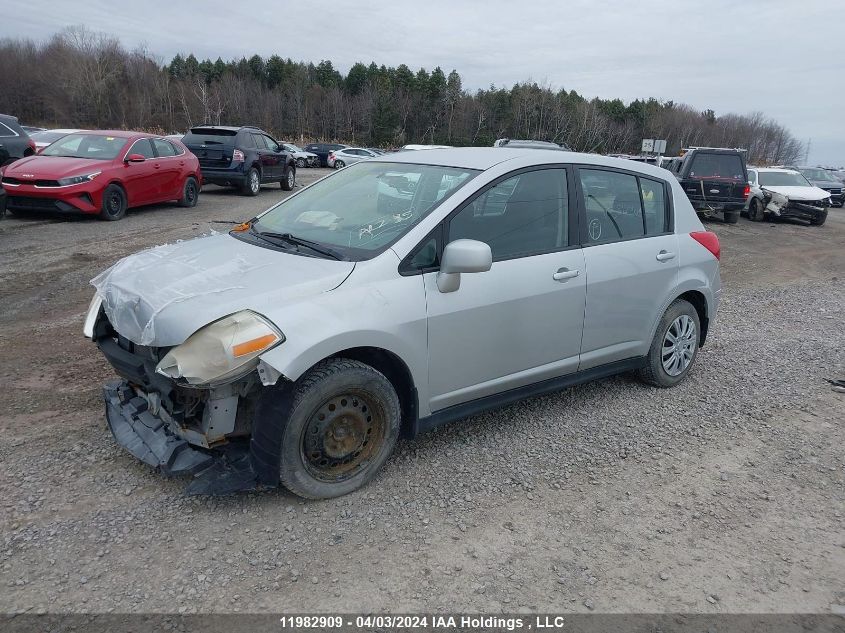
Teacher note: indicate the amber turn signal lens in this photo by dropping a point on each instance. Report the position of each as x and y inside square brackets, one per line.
[240, 228]
[256, 344]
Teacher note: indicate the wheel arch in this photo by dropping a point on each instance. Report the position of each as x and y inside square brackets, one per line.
[699, 302]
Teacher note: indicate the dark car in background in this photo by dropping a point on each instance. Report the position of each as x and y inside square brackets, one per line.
[14, 141]
[245, 157]
[825, 179]
[322, 150]
[715, 180]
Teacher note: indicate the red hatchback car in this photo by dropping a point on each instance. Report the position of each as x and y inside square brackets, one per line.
[103, 174]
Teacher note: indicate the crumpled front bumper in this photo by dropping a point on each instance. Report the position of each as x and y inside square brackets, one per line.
[146, 436]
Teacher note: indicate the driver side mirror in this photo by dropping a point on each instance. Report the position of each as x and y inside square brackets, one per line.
[462, 256]
[135, 158]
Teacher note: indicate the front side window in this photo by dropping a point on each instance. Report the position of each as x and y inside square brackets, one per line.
[258, 139]
[752, 176]
[93, 146]
[363, 209]
[524, 215]
[144, 148]
[613, 205]
[270, 143]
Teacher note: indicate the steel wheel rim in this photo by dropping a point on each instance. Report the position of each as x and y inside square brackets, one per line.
[114, 203]
[679, 344]
[253, 181]
[342, 436]
[291, 179]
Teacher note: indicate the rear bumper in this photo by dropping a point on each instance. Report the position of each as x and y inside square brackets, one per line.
[717, 205]
[223, 176]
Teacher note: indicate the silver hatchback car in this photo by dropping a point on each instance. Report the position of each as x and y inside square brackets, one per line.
[391, 297]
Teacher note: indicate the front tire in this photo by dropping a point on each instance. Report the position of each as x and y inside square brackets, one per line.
[675, 346]
[342, 426]
[756, 213]
[114, 203]
[289, 180]
[190, 193]
[252, 184]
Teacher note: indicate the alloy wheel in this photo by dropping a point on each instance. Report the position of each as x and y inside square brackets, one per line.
[679, 344]
[254, 182]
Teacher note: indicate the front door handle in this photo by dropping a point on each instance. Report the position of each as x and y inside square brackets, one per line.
[563, 274]
[665, 256]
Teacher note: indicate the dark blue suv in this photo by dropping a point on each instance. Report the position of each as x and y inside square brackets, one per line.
[245, 157]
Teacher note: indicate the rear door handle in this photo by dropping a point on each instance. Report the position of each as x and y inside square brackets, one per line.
[563, 274]
[665, 256]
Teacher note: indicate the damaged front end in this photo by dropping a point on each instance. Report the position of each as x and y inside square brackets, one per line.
[185, 411]
[782, 206]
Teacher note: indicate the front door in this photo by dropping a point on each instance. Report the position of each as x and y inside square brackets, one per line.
[631, 256]
[143, 180]
[521, 321]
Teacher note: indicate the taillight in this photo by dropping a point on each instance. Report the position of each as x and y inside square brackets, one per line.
[32, 145]
[238, 156]
[708, 240]
[747, 191]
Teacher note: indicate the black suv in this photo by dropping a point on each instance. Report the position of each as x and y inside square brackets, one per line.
[322, 150]
[14, 141]
[715, 180]
[245, 157]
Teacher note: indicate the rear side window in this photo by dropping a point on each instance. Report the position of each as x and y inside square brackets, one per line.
[163, 148]
[613, 206]
[5, 130]
[654, 206]
[723, 166]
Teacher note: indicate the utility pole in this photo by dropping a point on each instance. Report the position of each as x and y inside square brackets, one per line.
[807, 151]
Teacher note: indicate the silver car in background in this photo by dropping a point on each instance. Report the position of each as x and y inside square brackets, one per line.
[393, 296]
[340, 158]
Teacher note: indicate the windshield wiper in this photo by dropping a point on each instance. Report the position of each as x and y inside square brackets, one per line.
[298, 241]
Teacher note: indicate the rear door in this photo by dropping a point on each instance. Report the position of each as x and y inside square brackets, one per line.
[631, 257]
[143, 181]
[718, 177]
[171, 170]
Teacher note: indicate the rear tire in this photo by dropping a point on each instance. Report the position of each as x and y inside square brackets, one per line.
[731, 217]
[252, 184]
[190, 193]
[289, 179]
[114, 203]
[342, 425]
[675, 346]
[756, 213]
[819, 219]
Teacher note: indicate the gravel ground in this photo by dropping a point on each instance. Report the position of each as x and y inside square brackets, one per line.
[724, 494]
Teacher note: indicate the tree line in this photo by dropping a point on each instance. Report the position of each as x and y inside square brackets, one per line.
[83, 79]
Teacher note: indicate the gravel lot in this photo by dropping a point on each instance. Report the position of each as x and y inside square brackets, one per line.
[723, 495]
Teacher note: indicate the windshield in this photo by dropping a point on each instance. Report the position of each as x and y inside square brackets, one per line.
[93, 146]
[783, 179]
[365, 207]
[818, 174]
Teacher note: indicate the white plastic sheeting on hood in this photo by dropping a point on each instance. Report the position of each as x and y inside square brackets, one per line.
[161, 296]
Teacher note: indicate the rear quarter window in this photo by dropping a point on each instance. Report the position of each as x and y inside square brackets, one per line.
[723, 166]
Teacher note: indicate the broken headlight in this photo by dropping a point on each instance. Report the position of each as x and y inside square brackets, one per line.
[221, 351]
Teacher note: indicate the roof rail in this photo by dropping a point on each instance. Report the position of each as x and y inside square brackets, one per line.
[735, 149]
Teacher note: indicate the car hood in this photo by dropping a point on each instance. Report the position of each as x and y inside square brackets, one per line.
[159, 297]
[304, 155]
[53, 167]
[809, 194]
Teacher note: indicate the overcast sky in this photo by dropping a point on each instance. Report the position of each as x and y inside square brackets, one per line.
[776, 56]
